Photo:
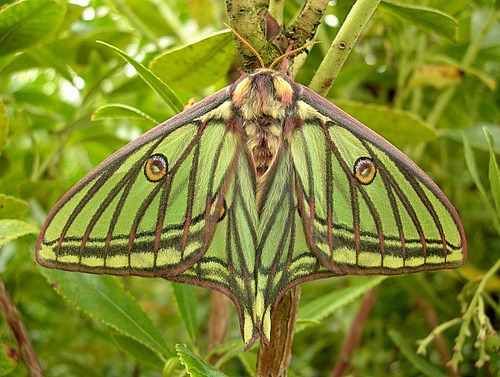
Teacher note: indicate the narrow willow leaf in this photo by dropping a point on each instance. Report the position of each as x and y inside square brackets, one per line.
[493, 172]
[400, 127]
[427, 19]
[12, 207]
[117, 110]
[12, 229]
[151, 79]
[472, 167]
[474, 136]
[26, 23]
[186, 301]
[323, 306]
[418, 362]
[4, 126]
[195, 365]
[198, 65]
[139, 351]
[103, 298]
[436, 76]
[488, 80]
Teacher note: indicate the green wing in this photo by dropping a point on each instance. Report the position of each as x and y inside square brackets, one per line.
[119, 220]
[366, 208]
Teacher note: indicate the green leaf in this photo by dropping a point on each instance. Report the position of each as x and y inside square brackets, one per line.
[493, 172]
[418, 362]
[103, 298]
[474, 136]
[201, 11]
[12, 208]
[139, 351]
[470, 161]
[117, 110]
[198, 65]
[427, 19]
[8, 360]
[400, 127]
[186, 301]
[26, 23]
[151, 79]
[12, 229]
[488, 80]
[4, 126]
[195, 365]
[323, 306]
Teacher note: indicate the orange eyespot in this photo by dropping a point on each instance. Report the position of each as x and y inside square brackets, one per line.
[156, 167]
[365, 170]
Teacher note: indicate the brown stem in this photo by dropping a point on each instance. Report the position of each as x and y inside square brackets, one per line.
[16, 326]
[432, 322]
[356, 331]
[218, 323]
[247, 17]
[304, 27]
[273, 361]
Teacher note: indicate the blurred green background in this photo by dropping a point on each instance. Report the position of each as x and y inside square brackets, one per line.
[424, 78]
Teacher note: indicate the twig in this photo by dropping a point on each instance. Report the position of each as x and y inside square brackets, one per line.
[467, 317]
[342, 45]
[247, 18]
[432, 323]
[305, 25]
[356, 331]
[16, 326]
[218, 323]
[273, 361]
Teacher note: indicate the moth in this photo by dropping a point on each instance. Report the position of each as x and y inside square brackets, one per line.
[255, 189]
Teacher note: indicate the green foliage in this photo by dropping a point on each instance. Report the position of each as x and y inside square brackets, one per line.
[197, 65]
[195, 365]
[401, 128]
[26, 23]
[68, 102]
[110, 304]
[427, 19]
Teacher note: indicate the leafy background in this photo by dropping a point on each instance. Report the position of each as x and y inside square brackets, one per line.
[425, 78]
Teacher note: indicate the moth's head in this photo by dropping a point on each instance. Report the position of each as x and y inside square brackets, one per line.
[263, 93]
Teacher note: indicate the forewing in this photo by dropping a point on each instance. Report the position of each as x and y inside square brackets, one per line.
[118, 221]
[398, 222]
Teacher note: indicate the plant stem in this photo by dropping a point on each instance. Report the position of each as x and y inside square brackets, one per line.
[218, 323]
[305, 25]
[356, 331]
[467, 317]
[342, 45]
[247, 17]
[16, 326]
[274, 360]
[432, 322]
